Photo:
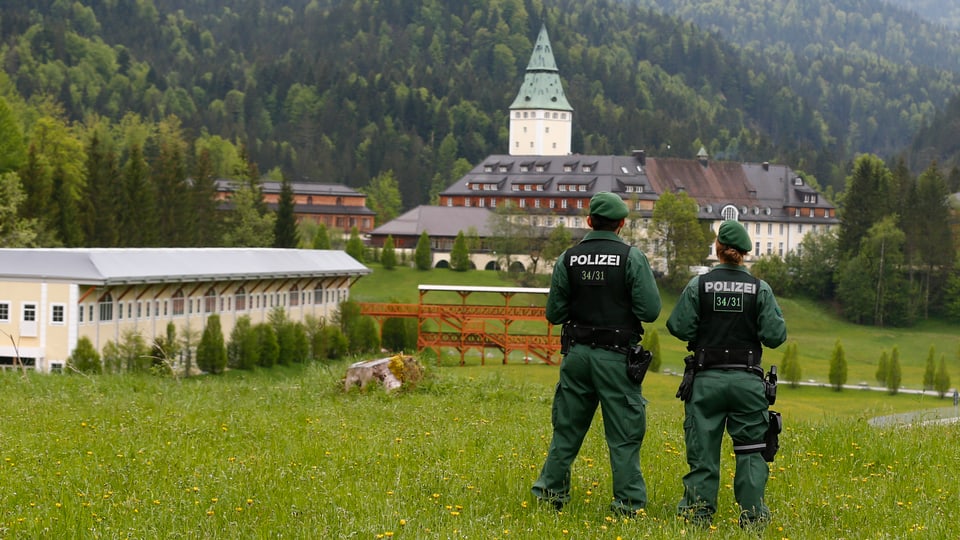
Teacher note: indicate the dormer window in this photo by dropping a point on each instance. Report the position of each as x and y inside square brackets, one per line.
[588, 168]
[730, 212]
[524, 168]
[503, 168]
[541, 168]
[624, 169]
[797, 181]
[561, 187]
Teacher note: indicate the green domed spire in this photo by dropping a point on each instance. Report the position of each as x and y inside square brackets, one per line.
[542, 88]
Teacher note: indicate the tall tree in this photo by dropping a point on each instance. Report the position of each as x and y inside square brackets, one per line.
[139, 211]
[212, 352]
[459, 255]
[244, 225]
[389, 256]
[423, 254]
[867, 199]
[15, 231]
[934, 240]
[205, 219]
[681, 238]
[101, 206]
[838, 367]
[355, 247]
[169, 176]
[941, 381]
[383, 197]
[895, 374]
[13, 150]
[883, 368]
[285, 233]
[65, 219]
[930, 369]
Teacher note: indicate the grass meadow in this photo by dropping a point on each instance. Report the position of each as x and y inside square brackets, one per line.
[287, 453]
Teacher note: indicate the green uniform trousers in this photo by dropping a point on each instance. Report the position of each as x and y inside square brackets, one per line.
[735, 400]
[591, 377]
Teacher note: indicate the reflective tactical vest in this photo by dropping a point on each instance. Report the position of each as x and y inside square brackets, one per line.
[597, 273]
[728, 311]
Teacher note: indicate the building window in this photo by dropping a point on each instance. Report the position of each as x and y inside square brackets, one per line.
[119, 311]
[480, 202]
[106, 308]
[178, 302]
[756, 247]
[536, 203]
[91, 312]
[563, 204]
[799, 227]
[294, 296]
[730, 212]
[57, 314]
[210, 301]
[769, 248]
[757, 229]
[553, 203]
[318, 295]
[29, 313]
[579, 203]
[466, 202]
[493, 202]
[80, 314]
[781, 249]
[769, 228]
[4, 311]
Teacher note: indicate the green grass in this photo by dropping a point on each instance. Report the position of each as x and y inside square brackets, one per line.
[286, 453]
[812, 326]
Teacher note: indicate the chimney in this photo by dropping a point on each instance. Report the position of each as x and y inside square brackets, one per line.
[766, 165]
[641, 156]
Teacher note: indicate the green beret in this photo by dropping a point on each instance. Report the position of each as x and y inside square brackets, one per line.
[733, 234]
[608, 205]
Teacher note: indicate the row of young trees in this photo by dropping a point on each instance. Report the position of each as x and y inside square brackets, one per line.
[278, 341]
[889, 371]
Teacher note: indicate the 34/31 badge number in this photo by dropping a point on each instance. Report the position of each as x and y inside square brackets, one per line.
[723, 301]
[593, 277]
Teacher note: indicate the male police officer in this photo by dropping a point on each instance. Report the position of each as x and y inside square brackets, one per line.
[726, 315]
[601, 291]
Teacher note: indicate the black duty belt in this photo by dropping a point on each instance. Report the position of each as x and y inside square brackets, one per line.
[596, 336]
[745, 359]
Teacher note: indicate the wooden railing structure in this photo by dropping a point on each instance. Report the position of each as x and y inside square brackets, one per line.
[473, 325]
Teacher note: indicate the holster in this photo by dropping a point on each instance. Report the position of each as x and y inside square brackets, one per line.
[638, 362]
[773, 436]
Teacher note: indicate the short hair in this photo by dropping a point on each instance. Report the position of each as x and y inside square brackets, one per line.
[601, 223]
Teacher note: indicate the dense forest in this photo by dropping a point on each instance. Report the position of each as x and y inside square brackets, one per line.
[117, 115]
[945, 12]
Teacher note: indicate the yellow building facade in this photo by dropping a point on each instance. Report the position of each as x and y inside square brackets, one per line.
[50, 298]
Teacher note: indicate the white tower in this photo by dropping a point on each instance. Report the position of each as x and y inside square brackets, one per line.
[541, 118]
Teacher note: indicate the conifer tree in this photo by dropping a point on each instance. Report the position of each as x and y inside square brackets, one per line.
[422, 254]
[211, 352]
[883, 367]
[104, 194]
[930, 371]
[285, 227]
[389, 256]
[941, 382]
[791, 370]
[459, 255]
[838, 367]
[894, 374]
[204, 217]
[321, 240]
[355, 245]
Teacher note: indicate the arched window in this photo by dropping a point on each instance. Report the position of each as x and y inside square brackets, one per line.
[240, 299]
[210, 301]
[730, 212]
[178, 303]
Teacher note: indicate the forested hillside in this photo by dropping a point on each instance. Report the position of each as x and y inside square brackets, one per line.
[945, 12]
[343, 91]
[875, 72]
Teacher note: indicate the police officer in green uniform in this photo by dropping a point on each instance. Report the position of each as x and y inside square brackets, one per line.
[601, 290]
[726, 315]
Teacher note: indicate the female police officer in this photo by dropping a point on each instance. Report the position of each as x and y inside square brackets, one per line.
[726, 315]
[602, 289]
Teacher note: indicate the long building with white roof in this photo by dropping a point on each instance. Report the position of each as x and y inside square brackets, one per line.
[50, 298]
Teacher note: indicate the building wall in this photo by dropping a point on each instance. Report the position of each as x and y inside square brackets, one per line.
[540, 133]
[105, 314]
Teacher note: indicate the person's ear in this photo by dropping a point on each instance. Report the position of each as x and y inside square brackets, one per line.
[590, 221]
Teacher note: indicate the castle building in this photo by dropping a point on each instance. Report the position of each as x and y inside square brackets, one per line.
[550, 184]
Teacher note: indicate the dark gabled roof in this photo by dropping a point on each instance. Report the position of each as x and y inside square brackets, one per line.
[300, 188]
[437, 221]
[555, 174]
